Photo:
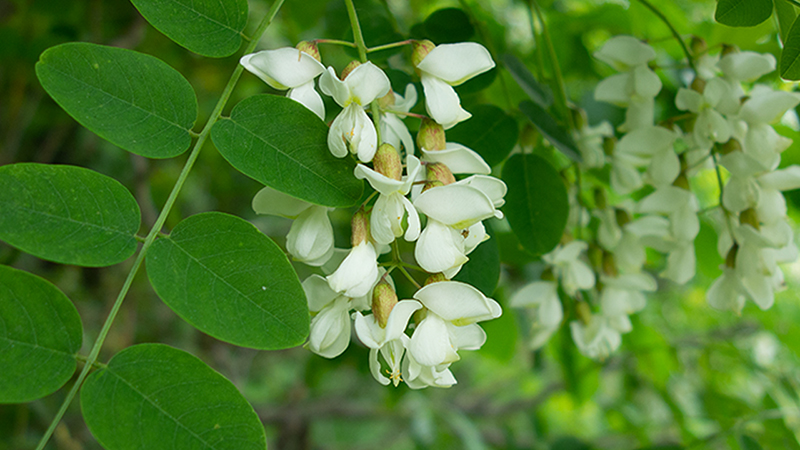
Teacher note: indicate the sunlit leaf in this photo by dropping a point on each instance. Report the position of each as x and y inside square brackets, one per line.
[67, 214]
[490, 132]
[40, 333]
[277, 141]
[790, 56]
[742, 13]
[551, 130]
[133, 100]
[208, 27]
[786, 15]
[536, 204]
[222, 275]
[156, 397]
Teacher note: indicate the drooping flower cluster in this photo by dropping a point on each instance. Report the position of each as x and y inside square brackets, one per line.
[727, 127]
[355, 292]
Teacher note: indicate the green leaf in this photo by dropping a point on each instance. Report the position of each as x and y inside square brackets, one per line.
[222, 275]
[748, 443]
[490, 132]
[67, 214]
[550, 129]
[790, 56]
[524, 78]
[483, 268]
[742, 13]
[786, 15]
[448, 25]
[536, 203]
[133, 100]
[160, 398]
[40, 333]
[207, 27]
[279, 142]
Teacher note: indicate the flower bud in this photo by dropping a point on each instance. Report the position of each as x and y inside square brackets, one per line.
[383, 300]
[431, 185]
[609, 265]
[728, 49]
[608, 145]
[600, 198]
[431, 135]
[387, 162]
[698, 45]
[360, 227]
[529, 136]
[622, 216]
[440, 172]
[435, 278]
[749, 217]
[730, 258]
[584, 312]
[698, 85]
[348, 68]
[731, 146]
[578, 117]
[595, 255]
[310, 48]
[387, 101]
[421, 50]
[682, 182]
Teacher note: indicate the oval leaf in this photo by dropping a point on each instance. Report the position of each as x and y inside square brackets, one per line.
[742, 13]
[490, 132]
[40, 333]
[67, 214]
[448, 25]
[524, 78]
[790, 56]
[222, 275]
[133, 100]
[786, 15]
[160, 398]
[551, 130]
[207, 27]
[536, 204]
[277, 141]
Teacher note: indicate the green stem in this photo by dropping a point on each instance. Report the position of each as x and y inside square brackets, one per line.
[794, 2]
[675, 33]
[362, 56]
[151, 236]
[561, 98]
[388, 46]
[335, 42]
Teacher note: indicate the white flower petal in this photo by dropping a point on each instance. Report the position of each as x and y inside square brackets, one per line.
[358, 273]
[439, 248]
[307, 96]
[456, 63]
[467, 337]
[318, 292]
[459, 159]
[622, 52]
[455, 205]
[381, 183]
[276, 203]
[311, 236]
[458, 302]
[332, 86]
[442, 102]
[430, 344]
[746, 66]
[283, 68]
[366, 83]
[330, 330]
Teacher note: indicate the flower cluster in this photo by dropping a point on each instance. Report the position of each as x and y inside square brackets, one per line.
[726, 128]
[355, 292]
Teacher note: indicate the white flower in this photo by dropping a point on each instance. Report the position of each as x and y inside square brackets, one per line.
[330, 327]
[541, 299]
[449, 325]
[449, 65]
[709, 126]
[352, 126]
[598, 339]
[393, 129]
[310, 237]
[590, 143]
[386, 218]
[390, 341]
[418, 376]
[623, 294]
[358, 273]
[574, 274]
[759, 140]
[292, 69]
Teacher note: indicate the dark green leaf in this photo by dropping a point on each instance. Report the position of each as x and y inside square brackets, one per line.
[483, 268]
[748, 443]
[786, 14]
[490, 132]
[742, 13]
[790, 56]
[155, 397]
[477, 83]
[208, 27]
[133, 100]
[448, 25]
[536, 203]
[551, 130]
[222, 275]
[524, 78]
[67, 214]
[40, 333]
[280, 143]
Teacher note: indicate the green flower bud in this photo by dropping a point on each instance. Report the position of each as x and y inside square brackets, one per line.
[310, 48]
[600, 198]
[420, 50]
[731, 146]
[584, 312]
[349, 68]
[431, 185]
[431, 135]
[608, 145]
[383, 300]
[435, 278]
[749, 217]
[698, 85]
[728, 49]
[730, 258]
[360, 227]
[440, 172]
[387, 162]
[387, 100]
[609, 265]
[622, 216]
[682, 182]
[698, 45]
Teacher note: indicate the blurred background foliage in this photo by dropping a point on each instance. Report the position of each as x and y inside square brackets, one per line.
[686, 377]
